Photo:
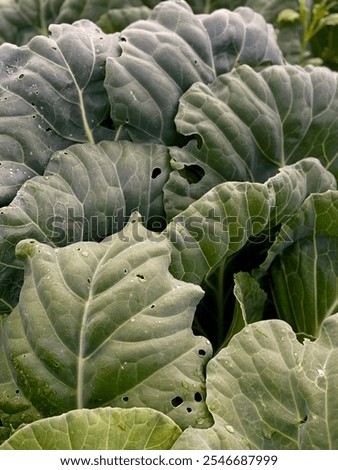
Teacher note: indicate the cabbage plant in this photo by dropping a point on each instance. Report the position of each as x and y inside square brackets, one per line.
[168, 232]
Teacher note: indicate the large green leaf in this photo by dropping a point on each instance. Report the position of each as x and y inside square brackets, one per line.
[159, 59]
[87, 192]
[302, 264]
[94, 327]
[62, 72]
[163, 56]
[221, 222]
[15, 407]
[102, 428]
[268, 391]
[119, 18]
[288, 34]
[21, 20]
[248, 124]
[240, 37]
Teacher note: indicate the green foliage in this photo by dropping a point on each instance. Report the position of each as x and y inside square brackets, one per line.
[312, 21]
[168, 225]
[137, 428]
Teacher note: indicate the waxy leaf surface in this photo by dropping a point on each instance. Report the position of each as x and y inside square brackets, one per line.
[95, 327]
[268, 391]
[99, 429]
[62, 72]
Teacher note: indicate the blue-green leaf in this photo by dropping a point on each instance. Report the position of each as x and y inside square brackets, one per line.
[94, 327]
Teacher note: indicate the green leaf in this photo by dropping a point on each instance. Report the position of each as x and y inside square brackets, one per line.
[65, 70]
[102, 428]
[268, 391]
[240, 37]
[250, 298]
[302, 264]
[214, 227]
[163, 56]
[21, 20]
[221, 222]
[87, 192]
[249, 306]
[249, 124]
[159, 59]
[15, 408]
[94, 327]
[288, 35]
[330, 20]
[288, 16]
[119, 18]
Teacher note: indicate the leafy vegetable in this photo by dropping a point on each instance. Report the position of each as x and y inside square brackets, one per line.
[102, 428]
[94, 328]
[267, 391]
[64, 71]
[168, 226]
[176, 49]
[306, 248]
[233, 116]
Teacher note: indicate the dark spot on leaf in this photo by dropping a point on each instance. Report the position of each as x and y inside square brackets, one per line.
[198, 397]
[192, 173]
[125, 399]
[201, 352]
[88, 280]
[156, 172]
[177, 401]
[17, 391]
[123, 39]
[189, 410]
[140, 276]
[302, 421]
[125, 271]
[152, 306]
[21, 76]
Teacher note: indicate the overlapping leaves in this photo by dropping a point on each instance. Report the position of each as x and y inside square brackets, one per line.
[94, 328]
[64, 71]
[103, 428]
[164, 55]
[253, 161]
[268, 391]
[247, 128]
[86, 193]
